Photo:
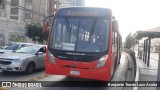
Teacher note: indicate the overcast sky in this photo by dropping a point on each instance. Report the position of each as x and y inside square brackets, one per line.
[132, 15]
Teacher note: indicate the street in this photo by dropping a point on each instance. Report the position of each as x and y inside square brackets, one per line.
[122, 73]
[17, 76]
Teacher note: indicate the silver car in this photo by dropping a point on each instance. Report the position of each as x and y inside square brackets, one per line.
[25, 59]
[13, 46]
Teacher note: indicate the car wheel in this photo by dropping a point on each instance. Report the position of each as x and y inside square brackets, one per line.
[30, 68]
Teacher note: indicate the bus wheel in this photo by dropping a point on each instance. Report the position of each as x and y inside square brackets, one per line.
[111, 77]
[114, 69]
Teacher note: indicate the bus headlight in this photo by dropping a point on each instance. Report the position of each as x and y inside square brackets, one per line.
[51, 57]
[102, 61]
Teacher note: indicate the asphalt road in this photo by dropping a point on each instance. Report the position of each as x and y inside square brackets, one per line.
[124, 72]
[17, 76]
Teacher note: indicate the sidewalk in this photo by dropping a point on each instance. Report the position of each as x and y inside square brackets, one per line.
[154, 56]
[148, 73]
[153, 61]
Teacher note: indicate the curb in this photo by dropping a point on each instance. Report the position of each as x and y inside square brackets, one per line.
[137, 77]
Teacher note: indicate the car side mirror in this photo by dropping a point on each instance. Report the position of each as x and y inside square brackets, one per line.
[39, 53]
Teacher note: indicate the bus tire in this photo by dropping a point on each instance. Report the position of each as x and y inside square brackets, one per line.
[113, 70]
[111, 77]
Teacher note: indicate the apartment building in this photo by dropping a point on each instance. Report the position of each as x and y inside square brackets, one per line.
[25, 10]
[14, 14]
[69, 3]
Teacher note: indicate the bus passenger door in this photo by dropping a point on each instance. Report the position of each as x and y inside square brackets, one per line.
[114, 52]
[118, 49]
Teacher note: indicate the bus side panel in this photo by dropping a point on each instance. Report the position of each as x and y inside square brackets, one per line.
[113, 63]
[113, 51]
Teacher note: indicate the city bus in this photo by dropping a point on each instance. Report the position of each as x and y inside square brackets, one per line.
[83, 42]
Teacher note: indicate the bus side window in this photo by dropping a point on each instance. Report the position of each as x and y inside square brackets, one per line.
[113, 39]
[116, 40]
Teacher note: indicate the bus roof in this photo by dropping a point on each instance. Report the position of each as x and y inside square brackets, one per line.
[83, 11]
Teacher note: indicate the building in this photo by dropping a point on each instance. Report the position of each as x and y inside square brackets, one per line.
[25, 10]
[2, 10]
[14, 14]
[54, 5]
[69, 3]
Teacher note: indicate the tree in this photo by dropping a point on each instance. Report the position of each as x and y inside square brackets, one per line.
[34, 31]
[130, 40]
[1, 1]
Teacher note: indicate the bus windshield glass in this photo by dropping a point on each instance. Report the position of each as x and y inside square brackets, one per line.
[80, 34]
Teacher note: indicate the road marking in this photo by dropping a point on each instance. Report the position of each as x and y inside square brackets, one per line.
[46, 75]
[39, 77]
[33, 79]
[3, 88]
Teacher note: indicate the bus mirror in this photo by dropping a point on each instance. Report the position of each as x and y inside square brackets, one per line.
[115, 26]
[44, 27]
[45, 24]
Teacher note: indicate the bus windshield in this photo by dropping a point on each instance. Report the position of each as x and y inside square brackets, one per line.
[80, 34]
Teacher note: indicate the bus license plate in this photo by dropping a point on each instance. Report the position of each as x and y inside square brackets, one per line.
[75, 72]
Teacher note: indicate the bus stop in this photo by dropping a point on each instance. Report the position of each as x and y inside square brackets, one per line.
[145, 54]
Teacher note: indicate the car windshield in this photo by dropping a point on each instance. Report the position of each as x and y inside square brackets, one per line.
[12, 46]
[28, 50]
[82, 35]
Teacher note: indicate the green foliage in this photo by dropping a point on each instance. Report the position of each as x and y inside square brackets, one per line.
[130, 40]
[1, 1]
[34, 31]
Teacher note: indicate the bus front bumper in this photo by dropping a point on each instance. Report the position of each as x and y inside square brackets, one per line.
[102, 74]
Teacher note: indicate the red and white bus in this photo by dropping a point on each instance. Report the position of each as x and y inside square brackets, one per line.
[83, 42]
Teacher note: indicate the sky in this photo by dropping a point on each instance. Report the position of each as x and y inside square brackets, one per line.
[132, 15]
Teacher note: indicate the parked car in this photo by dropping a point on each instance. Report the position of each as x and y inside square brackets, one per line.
[25, 59]
[13, 46]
